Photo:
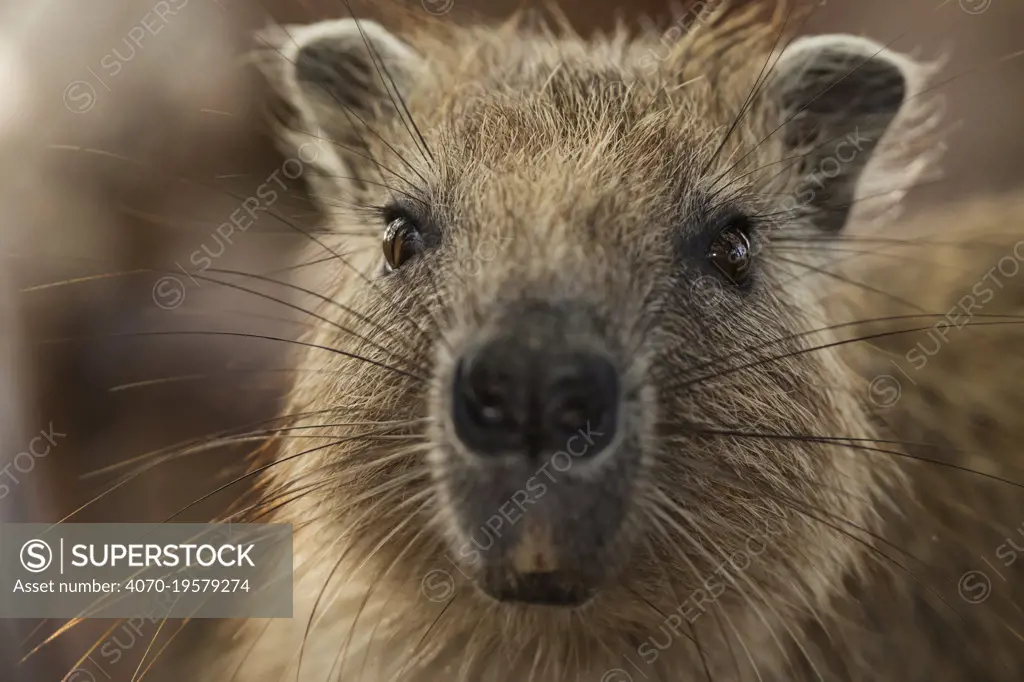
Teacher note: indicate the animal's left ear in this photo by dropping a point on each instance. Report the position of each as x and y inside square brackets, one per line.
[837, 96]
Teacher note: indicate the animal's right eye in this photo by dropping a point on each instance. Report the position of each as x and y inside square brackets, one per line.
[402, 241]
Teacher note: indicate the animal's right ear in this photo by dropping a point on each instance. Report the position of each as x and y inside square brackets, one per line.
[838, 96]
[334, 79]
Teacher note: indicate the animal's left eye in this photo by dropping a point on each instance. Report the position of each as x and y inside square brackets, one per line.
[402, 241]
[730, 252]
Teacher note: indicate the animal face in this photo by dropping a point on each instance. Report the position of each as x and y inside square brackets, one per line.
[573, 365]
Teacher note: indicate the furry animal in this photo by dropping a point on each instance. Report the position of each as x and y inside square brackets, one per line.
[616, 399]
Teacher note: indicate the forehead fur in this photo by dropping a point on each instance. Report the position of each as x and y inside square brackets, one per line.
[531, 89]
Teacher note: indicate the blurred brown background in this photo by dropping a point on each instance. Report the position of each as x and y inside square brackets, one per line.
[103, 173]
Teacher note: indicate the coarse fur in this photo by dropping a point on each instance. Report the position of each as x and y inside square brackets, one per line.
[768, 511]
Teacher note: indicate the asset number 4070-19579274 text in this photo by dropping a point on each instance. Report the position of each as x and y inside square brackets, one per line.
[187, 585]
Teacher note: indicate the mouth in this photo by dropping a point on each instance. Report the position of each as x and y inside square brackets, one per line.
[553, 588]
[552, 542]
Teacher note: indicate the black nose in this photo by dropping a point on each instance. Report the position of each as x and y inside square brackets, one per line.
[512, 399]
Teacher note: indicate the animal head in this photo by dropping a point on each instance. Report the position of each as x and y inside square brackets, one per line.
[569, 359]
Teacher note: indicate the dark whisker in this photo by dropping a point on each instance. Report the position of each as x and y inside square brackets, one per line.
[849, 280]
[810, 103]
[853, 323]
[840, 442]
[391, 87]
[762, 79]
[351, 114]
[244, 335]
[835, 344]
[266, 467]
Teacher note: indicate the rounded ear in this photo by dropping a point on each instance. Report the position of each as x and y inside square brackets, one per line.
[838, 96]
[334, 78]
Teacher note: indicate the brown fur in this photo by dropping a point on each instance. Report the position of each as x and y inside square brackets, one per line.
[958, 528]
[585, 191]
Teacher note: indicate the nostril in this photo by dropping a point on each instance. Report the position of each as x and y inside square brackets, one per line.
[486, 395]
[582, 397]
[487, 403]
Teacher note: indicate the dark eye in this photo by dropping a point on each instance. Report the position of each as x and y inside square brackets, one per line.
[402, 241]
[730, 251]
